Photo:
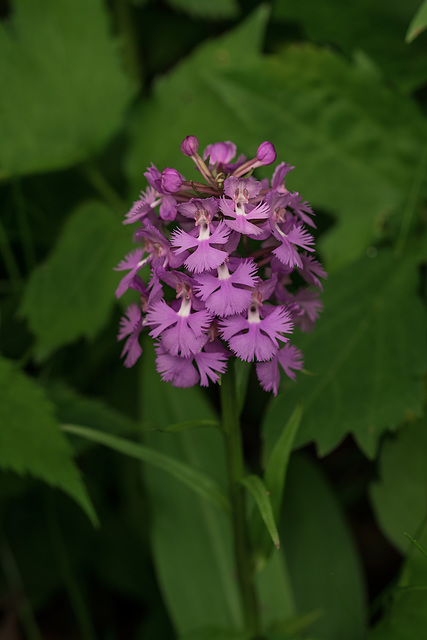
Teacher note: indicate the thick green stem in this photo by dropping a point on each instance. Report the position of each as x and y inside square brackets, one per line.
[236, 471]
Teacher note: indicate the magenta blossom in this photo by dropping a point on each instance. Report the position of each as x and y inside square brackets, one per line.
[225, 258]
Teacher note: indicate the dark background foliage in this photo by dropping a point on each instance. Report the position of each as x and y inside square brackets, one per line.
[95, 545]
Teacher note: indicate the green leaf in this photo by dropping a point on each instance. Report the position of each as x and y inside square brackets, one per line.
[257, 488]
[277, 465]
[196, 480]
[375, 28]
[406, 616]
[418, 23]
[398, 497]
[60, 54]
[274, 589]
[30, 439]
[367, 355]
[72, 293]
[274, 477]
[330, 118]
[322, 559]
[220, 9]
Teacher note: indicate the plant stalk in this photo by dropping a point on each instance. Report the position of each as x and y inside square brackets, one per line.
[236, 471]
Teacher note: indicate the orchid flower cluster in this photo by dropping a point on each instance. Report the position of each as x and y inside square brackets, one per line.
[231, 268]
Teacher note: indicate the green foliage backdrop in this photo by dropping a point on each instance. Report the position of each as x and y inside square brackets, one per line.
[94, 91]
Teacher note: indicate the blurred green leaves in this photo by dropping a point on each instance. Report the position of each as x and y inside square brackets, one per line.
[376, 28]
[317, 542]
[70, 295]
[399, 495]
[367, 357]
[30, 439]
[405, 614]
[346, 118]
[64, 93]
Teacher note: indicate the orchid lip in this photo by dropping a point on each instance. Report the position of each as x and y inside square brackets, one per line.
[185, 308]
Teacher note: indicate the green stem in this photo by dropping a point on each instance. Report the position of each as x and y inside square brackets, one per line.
[236, 471]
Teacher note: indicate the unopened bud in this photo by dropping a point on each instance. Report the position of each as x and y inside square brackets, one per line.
[266, 153]
[189, 146]
[171, 180]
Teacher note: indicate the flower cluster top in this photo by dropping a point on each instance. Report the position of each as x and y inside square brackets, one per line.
[231, 268]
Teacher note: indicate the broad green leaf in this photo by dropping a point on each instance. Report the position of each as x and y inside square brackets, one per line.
[399, 496]
[196, 480]
[322, 560]
[274, 588]
[418, 23]
[328, 117]
[72, 293]
[332, 121]
[30, 439]
[366, 354]
[377, 28]
[405, 617]
[66, 93]
[206, 8]
[257, 488]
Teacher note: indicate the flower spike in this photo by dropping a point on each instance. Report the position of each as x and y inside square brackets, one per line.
[225, 260]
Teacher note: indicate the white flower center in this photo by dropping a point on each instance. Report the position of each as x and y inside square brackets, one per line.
[253, 314]
[204, 231]
[223, 272]
[185, 308]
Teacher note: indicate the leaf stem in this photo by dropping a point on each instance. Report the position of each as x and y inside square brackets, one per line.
[236, 471]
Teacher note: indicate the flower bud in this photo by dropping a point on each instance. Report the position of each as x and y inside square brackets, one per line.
[189, 146]
[171, 180]
[266, 153]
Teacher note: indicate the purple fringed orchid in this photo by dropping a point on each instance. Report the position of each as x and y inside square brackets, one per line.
[227, 256]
